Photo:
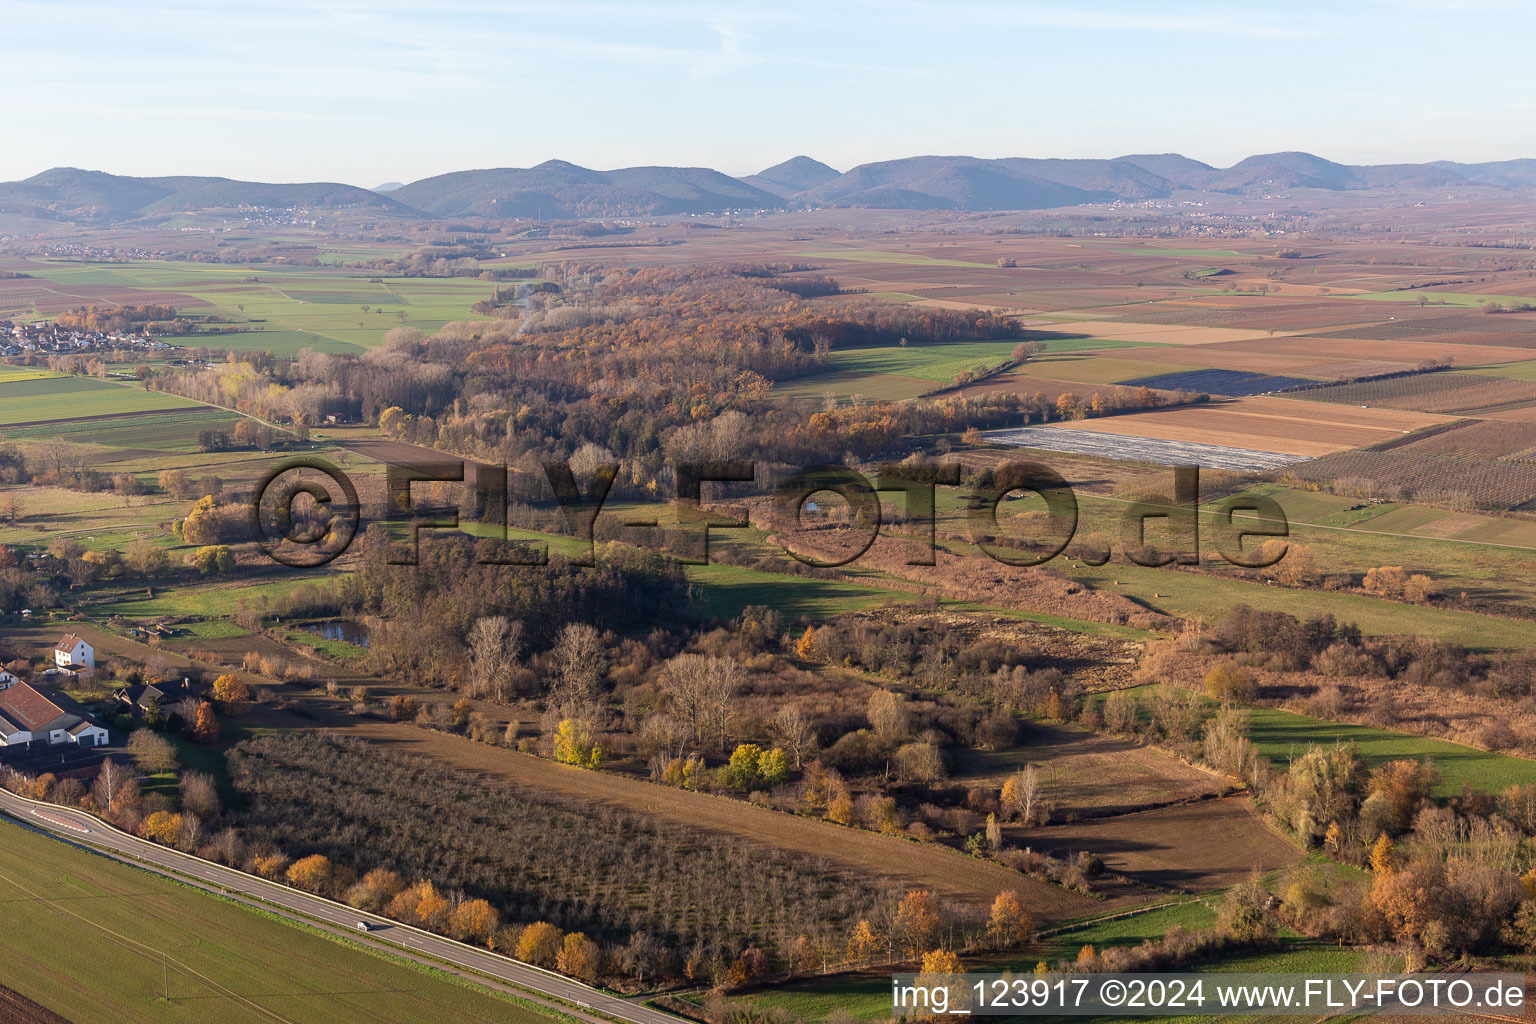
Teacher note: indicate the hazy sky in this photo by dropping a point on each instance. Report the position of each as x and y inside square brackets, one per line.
[384, 90]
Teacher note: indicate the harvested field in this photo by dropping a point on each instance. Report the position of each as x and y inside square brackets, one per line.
[1237, 383]
[1196, 846]
[1459, 393]
[1089, 774]
[1166, 334]
[1312, 357]
[1256, 314]
[939, 868]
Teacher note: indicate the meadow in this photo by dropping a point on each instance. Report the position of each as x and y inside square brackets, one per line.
[282, 309]
[94, 940]
[40, 399]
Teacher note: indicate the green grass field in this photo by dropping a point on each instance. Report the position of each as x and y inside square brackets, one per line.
[57, 397]
[884, 256]
[1191, 253]
[299, 307]
[1278, 735]
[1092, 369]
[724, 590]
[94, 940]
[1436, 298]
[1523, 370]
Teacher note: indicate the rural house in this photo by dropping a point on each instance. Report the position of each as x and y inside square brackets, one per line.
[72, 652]
[27, 715]
[7, 680]
[135, 699]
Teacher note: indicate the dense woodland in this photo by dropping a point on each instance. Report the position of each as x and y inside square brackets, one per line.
[647, 364]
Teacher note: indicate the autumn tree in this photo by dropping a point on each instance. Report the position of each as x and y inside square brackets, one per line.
[230, 689]
[206, 728]
[215, 559]
[473, 921]
[1230, 682]
[1009, 924]
[576, 743]
[863, 943]
[161, 827]
[916, 924]
[540, 943]
[887, 713]
[578, 957]
[311, 873]
[375, 889]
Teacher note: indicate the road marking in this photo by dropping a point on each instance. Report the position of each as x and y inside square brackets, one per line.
[61, 822]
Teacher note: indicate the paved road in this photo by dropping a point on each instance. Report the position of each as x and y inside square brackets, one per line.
[401, 940]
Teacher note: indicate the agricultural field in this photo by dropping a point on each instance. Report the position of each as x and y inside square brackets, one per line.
[1279, 735]
[1450, 393]
[1190, 847]
[1234, 383]
[318, 308]
[44, 399]
[1134, 446]
[1089, 773]
[95, 940]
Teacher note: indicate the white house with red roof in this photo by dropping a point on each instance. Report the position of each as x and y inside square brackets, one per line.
[27, 715]
[72, 652]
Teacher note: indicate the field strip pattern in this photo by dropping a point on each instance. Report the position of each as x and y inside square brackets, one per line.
[1141, 449]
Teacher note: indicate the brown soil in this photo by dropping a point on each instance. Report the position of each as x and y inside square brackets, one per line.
[1193, 847]
[16, 1008]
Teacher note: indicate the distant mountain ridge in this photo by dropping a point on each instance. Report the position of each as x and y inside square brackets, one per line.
[557, 189]
[71, 194]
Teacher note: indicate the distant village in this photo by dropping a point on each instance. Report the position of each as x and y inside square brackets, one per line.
[47, 338]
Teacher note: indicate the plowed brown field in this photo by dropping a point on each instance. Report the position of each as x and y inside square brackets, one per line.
[1195, 846]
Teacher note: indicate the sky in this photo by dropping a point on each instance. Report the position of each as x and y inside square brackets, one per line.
[395, 90]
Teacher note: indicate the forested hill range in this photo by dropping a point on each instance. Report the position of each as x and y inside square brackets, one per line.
[556, 190]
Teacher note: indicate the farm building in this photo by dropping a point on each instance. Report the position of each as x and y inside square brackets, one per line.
[72, 652]
[136, 699]
[27, 715]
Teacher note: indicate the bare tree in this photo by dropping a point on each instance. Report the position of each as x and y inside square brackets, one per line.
[663, 738]
[109, 779]
[703, 690]
[888, 715]
[792, 730]
[1024, 796]
[495, 644]
[578, 657]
